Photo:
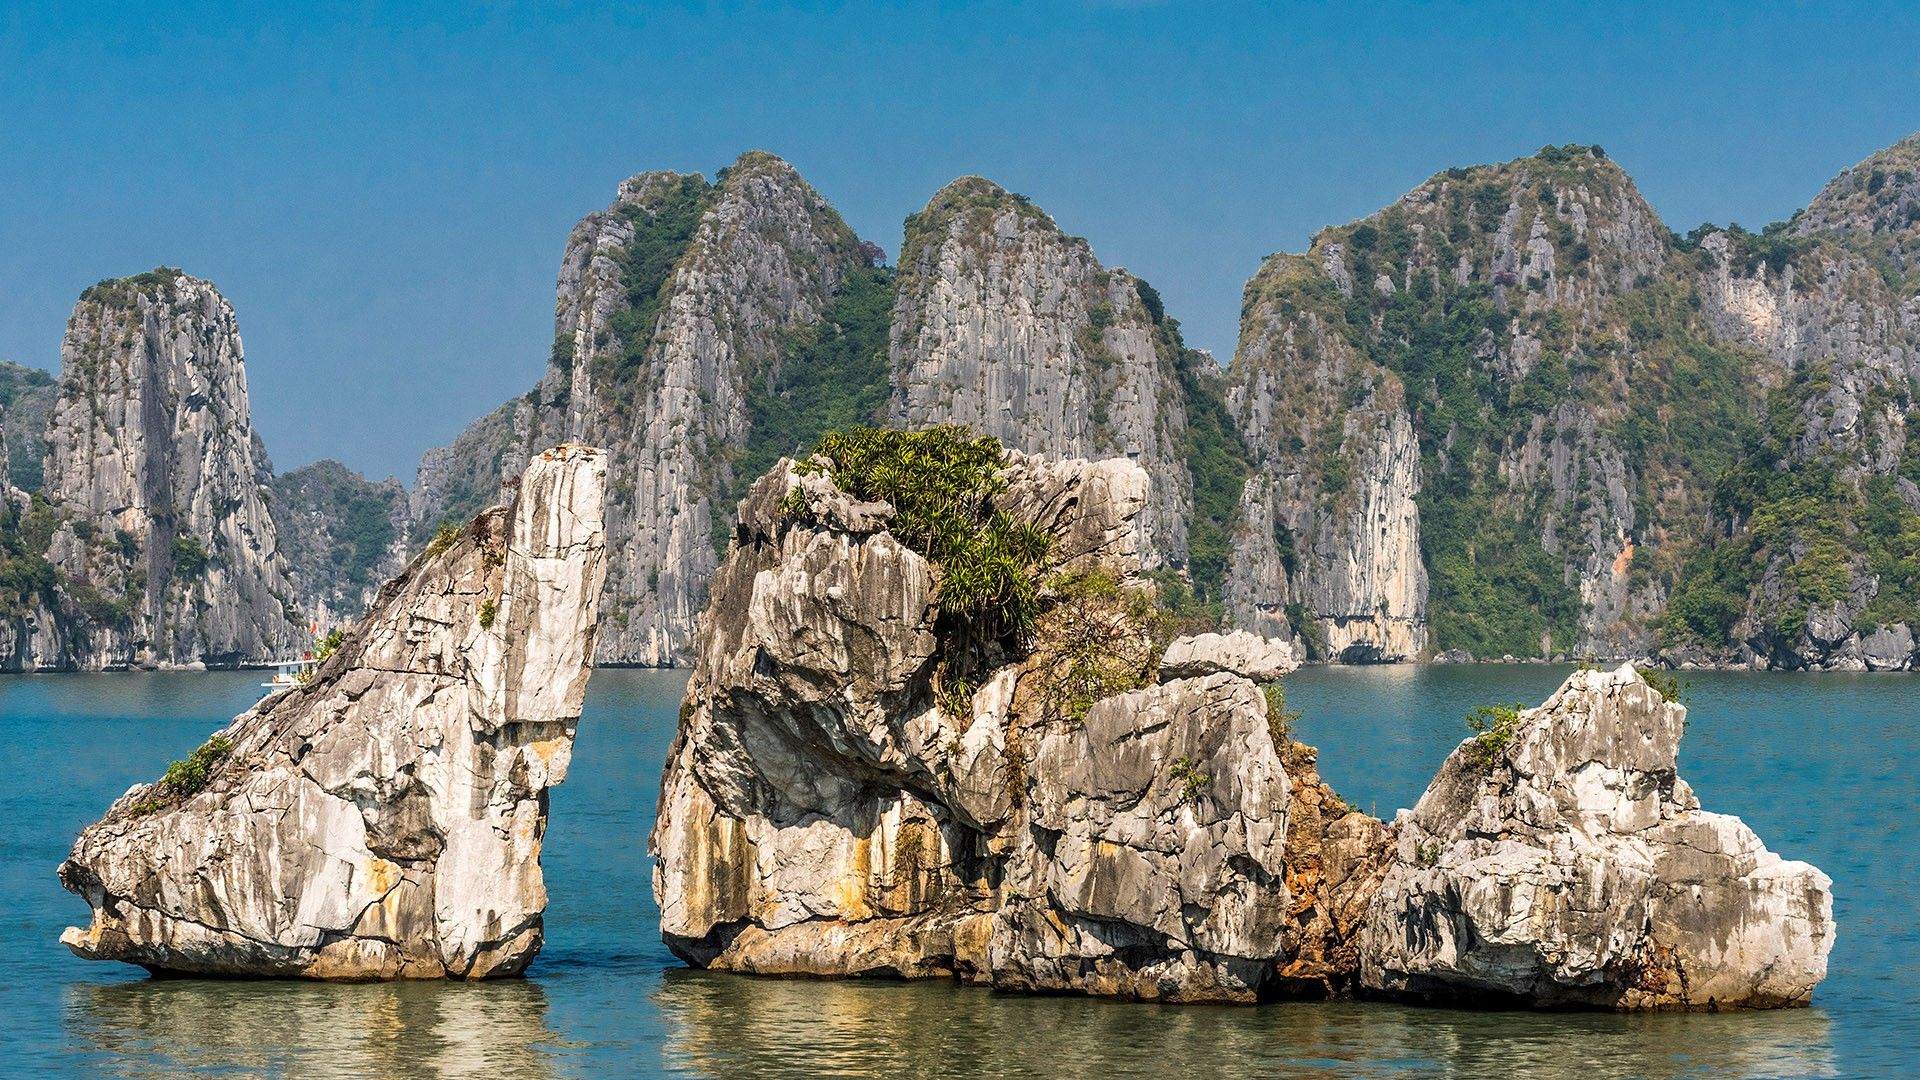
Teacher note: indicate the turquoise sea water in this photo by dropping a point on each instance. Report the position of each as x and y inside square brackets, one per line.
[1822, 766]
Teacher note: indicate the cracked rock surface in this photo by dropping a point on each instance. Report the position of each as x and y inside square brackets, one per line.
[823, 814]
[1577, 868]
[826, 812]
[384, 820]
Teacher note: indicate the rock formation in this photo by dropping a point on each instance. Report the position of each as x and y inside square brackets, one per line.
[1238, 653]
[1006, 324]
[1559, 859]
[26, 396]
[342, 536]
[824, 813]
[1492, 419]
[670, 303]
[704, 330]
[840, 800]
[1422, 443]
[164, 541]
[383, 820]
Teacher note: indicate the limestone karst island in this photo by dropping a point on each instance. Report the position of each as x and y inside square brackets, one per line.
[967, 573]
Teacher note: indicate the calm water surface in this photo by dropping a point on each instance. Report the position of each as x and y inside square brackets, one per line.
[1822, 766]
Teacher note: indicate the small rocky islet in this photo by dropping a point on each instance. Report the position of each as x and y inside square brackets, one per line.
[939, 726]
[383, 819]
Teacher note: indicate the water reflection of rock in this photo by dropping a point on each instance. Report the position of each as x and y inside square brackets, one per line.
[428, 1029]
[724, 1026]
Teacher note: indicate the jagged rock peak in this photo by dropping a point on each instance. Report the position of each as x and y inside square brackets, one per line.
[151, 455]
[1523, 223]
[669, 304]
[1559, 859]
[1875, 204]
[1006, 324]
[968, 203]
[384, 819]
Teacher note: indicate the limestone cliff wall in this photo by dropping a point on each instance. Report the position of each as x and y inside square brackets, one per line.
[153, 465]
[342, 536]
[1329, 556]
[667, 303]
[1006, 324]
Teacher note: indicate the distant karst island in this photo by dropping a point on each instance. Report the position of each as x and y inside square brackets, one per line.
[1511, 415]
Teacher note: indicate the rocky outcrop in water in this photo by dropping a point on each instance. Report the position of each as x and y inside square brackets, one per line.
[1560, 860]
[1511, 414]
[823, 813]
[164, 542]
[383, 820]
[1080, 819]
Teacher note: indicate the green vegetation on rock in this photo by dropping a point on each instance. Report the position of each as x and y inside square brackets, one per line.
[941, 483]
[661, 232]
[830, 377]
[1099, 637]
[190, 557]
[1493, 727]
[191, 776]
[25, 573]
[25, 396]
[1804, 517]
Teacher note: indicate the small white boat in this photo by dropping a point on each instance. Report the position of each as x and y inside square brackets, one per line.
[290, 674]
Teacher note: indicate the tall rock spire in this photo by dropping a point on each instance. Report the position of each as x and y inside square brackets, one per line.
[152, 460]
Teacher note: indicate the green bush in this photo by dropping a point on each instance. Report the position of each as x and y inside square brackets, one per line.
[941, 483]
[1494, 727]
[1180, 602]
[487, 610]
[1098, 637]
[1185, 772]
[190, 558]
[1670, 685]
[443, 540]
[190, 777]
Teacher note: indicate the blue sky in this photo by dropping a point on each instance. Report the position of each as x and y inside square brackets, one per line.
[384, 191]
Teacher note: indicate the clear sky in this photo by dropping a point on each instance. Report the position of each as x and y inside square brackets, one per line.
[384, 191]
